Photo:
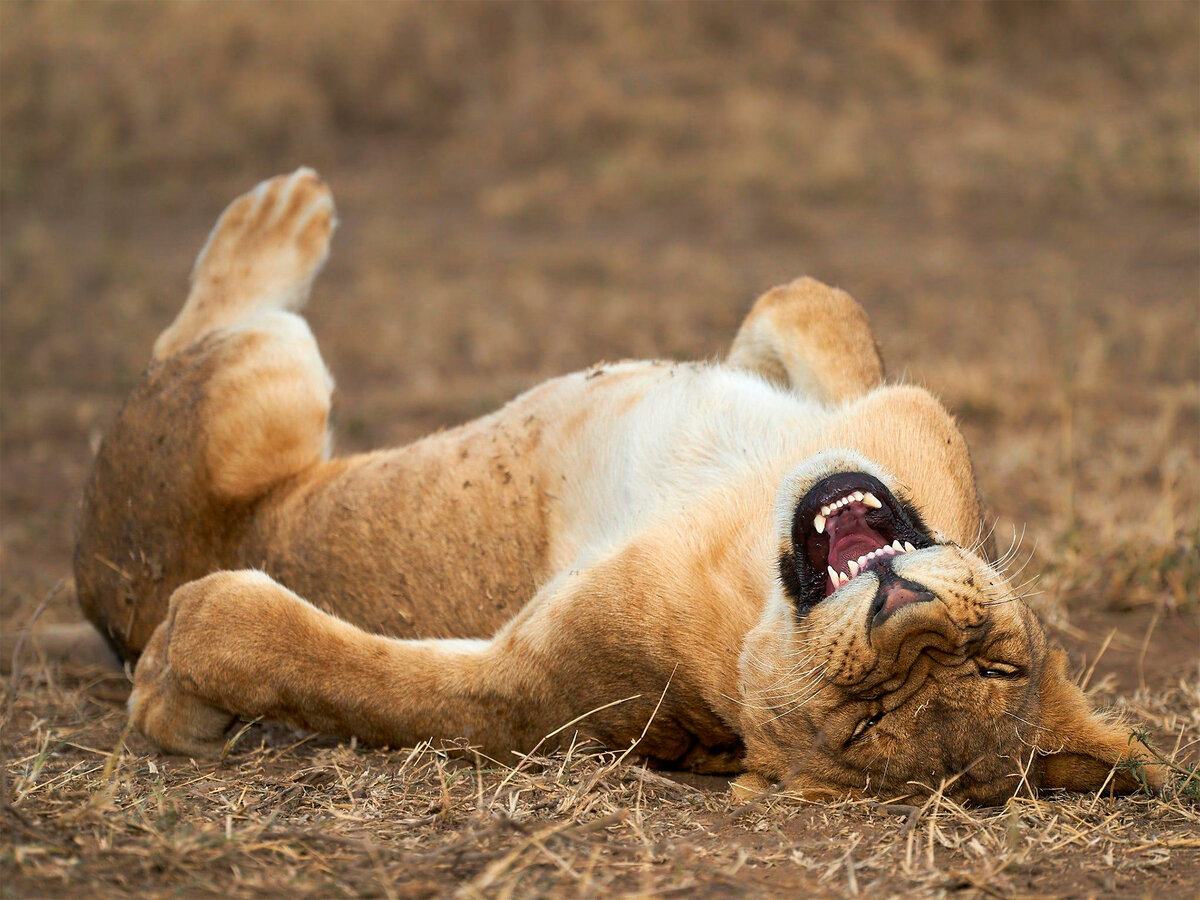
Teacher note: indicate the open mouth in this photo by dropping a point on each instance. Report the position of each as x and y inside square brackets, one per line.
[848, 524]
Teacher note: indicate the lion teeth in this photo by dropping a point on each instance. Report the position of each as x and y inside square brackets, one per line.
[831, 509]
[838, 578]
[855, 566]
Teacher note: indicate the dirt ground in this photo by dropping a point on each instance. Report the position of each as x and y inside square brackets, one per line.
[1013, 192]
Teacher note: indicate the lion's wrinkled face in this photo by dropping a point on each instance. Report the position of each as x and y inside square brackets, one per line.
[907, 660]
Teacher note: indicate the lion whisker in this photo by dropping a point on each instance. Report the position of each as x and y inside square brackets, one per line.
[798, 705]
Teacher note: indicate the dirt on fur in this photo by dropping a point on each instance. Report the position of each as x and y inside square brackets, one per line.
[1012, 191]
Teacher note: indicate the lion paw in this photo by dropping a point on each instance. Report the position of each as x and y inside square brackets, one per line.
[167, 713]
[263, 254]
[271, 242]
[211, 661]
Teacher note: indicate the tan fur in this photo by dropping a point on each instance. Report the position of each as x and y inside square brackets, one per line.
[262, 255]
[604, 551]
[830, 352]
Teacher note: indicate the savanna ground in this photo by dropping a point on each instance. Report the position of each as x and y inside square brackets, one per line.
[1012, 191]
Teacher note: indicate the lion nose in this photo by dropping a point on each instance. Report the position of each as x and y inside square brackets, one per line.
[896, 593]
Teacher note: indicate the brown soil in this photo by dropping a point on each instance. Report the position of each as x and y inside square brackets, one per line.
[1013, 191]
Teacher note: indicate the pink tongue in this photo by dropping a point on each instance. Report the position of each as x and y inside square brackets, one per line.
[849, 538]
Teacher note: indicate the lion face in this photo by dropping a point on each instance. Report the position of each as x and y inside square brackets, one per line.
[897, 662]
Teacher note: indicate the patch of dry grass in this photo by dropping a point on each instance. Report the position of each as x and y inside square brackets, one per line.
[289, 813]
[685, 101]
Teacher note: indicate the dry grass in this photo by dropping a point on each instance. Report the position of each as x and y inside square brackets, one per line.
[285, 813]
[1012, 190]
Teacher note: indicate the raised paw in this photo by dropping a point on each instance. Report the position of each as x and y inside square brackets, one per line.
[263, 254]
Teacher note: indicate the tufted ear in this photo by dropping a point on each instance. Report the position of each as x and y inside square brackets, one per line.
[1078, 749]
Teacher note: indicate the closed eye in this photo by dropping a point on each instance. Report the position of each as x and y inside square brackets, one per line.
[999, 670]
[863, 727]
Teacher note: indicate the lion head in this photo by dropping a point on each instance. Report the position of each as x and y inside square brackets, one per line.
[893, 661]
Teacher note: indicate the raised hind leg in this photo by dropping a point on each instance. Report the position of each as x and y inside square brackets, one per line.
[236, 400]
[266, 403]
[812, 339]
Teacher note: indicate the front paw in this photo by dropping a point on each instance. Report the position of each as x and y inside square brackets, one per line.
[217, 656]
[167, 713]
[748, 786]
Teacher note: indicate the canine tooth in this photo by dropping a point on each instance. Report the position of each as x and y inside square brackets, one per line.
[819, 523]
[896, 546]
[909, 548]
[869, 500]
[854, 567]
[832, 574]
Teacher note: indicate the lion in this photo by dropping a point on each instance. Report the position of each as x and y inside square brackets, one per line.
[768, 566]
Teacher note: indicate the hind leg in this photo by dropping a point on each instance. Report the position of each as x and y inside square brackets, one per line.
[267, 402]
[811, 338]
[266, 409]
[262, 255]
[236, 401]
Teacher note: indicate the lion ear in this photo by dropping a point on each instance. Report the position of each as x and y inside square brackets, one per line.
[1078, 750]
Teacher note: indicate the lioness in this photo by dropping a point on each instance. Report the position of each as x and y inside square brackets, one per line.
[767, 566]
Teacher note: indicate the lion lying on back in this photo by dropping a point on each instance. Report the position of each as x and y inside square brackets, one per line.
[764, 566]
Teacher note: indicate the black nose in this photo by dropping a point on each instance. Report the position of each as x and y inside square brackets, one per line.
[895, 593]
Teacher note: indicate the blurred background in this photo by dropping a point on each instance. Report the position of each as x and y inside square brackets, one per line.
[1012, 191]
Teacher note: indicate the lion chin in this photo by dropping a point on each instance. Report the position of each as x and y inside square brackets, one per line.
[766, 566]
